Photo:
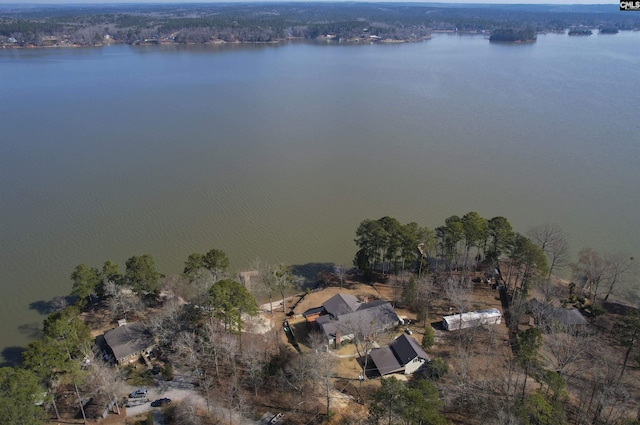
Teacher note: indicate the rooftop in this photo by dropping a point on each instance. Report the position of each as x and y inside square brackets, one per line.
[128, 339]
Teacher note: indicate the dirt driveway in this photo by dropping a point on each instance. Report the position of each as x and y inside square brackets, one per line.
[180, 388]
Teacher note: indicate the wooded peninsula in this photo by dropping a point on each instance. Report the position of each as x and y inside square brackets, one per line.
[100, 24]
[467, 323]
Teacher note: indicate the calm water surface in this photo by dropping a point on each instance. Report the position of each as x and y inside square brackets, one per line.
[278, 152]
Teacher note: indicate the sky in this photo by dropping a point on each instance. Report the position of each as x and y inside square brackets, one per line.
[25, 2]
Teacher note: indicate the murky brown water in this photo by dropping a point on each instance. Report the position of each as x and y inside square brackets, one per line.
[279, 152]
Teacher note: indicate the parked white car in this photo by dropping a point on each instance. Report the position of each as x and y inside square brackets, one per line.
[141, 393]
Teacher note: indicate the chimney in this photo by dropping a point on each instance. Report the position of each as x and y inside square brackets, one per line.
[337, 339]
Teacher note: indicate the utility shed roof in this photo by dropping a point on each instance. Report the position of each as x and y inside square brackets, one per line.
[395, 356]
[407, 349]
[385, 360]
[472, 318]
[128, 339]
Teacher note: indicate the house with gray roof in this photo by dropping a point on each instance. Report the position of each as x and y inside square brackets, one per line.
[341, 304]
[128, 341]
[404, 355]
[547, 316]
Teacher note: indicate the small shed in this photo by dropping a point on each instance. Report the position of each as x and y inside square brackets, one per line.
[472, 319]
[99, 407]
[404, 355]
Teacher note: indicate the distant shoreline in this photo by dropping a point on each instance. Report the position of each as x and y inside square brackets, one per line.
[328, 41]
[94, 25]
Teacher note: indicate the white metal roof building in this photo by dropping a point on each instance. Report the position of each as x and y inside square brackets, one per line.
[471, 319]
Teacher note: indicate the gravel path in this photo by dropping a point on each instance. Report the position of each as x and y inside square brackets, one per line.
[180, 388]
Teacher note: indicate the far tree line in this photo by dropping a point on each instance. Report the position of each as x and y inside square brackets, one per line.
[200, 23]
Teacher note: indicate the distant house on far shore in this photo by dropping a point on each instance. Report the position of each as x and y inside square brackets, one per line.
[129, 341]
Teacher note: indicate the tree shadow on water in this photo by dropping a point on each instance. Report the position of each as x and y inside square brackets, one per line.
[12, 356]
[310, 271]
[32, 330]
[54, 304]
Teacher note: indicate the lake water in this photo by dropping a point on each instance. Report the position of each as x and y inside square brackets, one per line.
[278, 152]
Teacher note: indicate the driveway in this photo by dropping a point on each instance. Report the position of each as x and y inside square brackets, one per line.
[180, 388]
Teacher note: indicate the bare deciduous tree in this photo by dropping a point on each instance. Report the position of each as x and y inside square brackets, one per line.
[213, 343]
[554, 242]
[103, 378]
[265, 287]
[233, 399]
[185, 413]
[230, 350]
[459, 290]
[590, 271]
[188, 347]
[208, 384]
[567, 348]
[593, 271]
[602, 400]
[424, 296]
[201, 281]
[324, 365]
[121, 299]
[166, 323]
[341, 273]
[619, 268]
[254, 360]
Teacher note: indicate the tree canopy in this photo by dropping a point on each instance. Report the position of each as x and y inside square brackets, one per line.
[229, 300]
[216, 261]
[85, 281]
[396, 403]
[386, 243]
[19, 393]
[142, 275]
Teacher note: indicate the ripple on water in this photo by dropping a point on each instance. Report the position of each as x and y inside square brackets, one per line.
[286, 170]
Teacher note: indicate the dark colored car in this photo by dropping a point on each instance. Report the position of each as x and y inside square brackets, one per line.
[161, 402]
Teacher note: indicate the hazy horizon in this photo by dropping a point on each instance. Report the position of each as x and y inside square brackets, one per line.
[115, 2]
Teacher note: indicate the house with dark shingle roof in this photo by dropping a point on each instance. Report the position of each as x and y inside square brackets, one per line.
[404, 355]
[128, 341]
[547, 316]
[341, 304]
[342, 317]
